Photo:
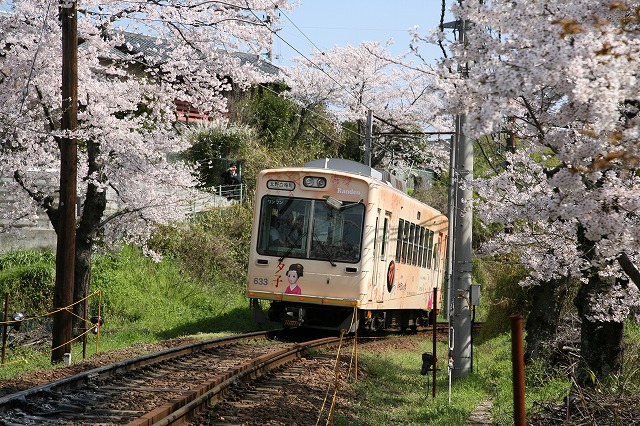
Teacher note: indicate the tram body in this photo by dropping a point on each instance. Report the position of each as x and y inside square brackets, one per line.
[334, 246]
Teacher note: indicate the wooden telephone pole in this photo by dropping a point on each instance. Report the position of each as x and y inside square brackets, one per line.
[66, 229]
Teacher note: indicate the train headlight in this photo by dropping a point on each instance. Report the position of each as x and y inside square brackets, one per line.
[314, 182]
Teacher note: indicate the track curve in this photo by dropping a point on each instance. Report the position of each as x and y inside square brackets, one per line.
[146, 389]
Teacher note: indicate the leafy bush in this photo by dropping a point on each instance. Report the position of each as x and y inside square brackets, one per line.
[502, 296]
[214, 247]
[28, 276]
[211, 144]
[162, 297]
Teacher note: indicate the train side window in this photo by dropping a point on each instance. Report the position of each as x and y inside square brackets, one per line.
[410, 250]
[425, 242]
[399, 240]
[430, 249]
[421, 248]
[405, 242]
[416, 244]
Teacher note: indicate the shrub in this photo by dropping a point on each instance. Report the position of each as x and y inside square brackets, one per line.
[28, 276]
[214, 247]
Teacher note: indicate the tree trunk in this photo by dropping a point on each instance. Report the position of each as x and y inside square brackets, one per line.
[82, 281]
[86, 233]
[542, 321]
[601, 343]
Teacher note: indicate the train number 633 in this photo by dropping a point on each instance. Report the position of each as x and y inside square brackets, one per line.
[261, 281]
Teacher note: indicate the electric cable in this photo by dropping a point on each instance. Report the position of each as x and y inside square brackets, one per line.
[311, 62]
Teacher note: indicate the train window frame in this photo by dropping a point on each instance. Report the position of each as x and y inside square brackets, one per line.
[416, 244]
[410, 245]
[425, 244]
[347, 227]
[430, 249]
[273, 206]
[385, 237]
[421, 262]
[399, 240]
[405, 241]
[339, 224]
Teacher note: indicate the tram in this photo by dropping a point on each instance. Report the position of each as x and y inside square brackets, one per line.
[339, 245]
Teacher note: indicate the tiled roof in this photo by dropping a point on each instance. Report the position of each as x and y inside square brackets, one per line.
[146, 45]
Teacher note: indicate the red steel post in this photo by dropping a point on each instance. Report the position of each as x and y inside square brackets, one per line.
[435, 356]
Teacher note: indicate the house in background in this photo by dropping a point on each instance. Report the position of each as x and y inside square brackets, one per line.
[142, 45]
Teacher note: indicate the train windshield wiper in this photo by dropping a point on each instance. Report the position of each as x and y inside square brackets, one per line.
[324, 250]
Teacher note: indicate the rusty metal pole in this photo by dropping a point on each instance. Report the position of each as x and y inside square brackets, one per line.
[66, 231]
[517, 362]
[435, 356]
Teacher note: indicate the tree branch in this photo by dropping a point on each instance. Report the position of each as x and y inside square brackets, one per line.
[629, 268]
[43, 200]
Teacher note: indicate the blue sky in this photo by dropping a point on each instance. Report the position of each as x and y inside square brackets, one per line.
[325, 24]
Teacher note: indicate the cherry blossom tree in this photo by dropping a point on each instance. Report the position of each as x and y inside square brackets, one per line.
[403, 97]
[562, 78]
[127, 114]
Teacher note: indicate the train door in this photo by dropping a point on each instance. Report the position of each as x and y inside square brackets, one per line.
[375, 279]
[385, 263]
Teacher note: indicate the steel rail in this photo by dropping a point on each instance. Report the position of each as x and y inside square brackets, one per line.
[72, 382]
[180, 409]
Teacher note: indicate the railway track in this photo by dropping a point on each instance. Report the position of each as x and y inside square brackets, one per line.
[173, 385]
[158, 389]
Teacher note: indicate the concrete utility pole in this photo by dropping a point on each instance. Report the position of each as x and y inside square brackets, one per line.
[460, 278]
[461, 316]
[66, 230]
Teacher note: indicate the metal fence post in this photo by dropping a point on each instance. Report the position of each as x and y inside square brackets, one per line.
[517, 362]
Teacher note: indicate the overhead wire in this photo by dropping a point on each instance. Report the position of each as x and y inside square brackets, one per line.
[275, 6]
[396, 127]
[313, 64]
[328, 119]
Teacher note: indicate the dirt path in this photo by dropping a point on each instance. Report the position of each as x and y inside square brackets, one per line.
[481, 416]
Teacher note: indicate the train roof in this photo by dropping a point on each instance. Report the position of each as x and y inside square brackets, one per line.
[359, 169]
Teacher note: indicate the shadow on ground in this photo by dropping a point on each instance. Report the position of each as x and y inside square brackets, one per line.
[239, 320]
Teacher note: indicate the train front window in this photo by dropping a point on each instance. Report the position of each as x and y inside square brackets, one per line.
[337, 234]
[306, 228]
[284, 225]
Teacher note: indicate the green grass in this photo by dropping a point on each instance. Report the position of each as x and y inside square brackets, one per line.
[141, 301]
[394, 392]
[162, 300]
